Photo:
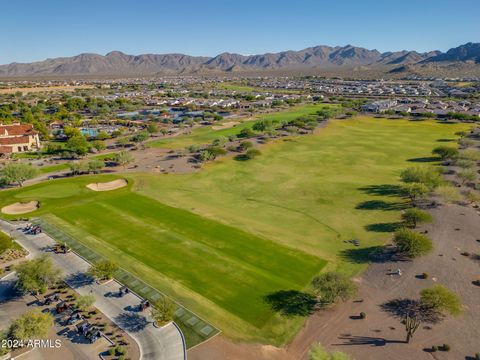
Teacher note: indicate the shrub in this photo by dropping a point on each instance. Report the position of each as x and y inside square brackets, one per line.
[445, 152]
[120, 351]
[317, 352]
[424, 275]
[428, 176]
[111, 351]
[363, 315]
[448, 193]
[252, 153]
[446, 347]
[411, 243]
[434, 348]
[414, 216]
[477, 356]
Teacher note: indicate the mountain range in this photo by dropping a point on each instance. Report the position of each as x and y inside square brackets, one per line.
[316, 58]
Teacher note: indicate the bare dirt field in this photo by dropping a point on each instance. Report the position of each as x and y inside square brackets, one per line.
[226, 125]
[160, 160]
[43, 89]
[20, 208]
[108, 186]
[455, 229]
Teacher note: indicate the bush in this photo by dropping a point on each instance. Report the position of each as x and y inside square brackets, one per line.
[445, 152]
[428, 176]
[414, 216]
[252, 153]
[434, 348]
[477, 356]
[111, 351]
[363, 315]
[317, 352]
[120, 351]
[411, 243]
[424, 275]
[448, 193]
[446, 347]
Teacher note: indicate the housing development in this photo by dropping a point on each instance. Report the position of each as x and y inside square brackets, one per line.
[312, 204]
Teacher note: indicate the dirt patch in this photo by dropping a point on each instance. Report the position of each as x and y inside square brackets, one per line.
[226, 125]
[20, 208]
[43, 89]
[455, 230]
[108, 186]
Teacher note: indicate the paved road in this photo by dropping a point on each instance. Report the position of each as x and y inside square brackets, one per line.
[157, 344]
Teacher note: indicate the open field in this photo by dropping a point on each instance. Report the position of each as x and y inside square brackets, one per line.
[206, 134]
[249, 89]
[221, 239]
[311, 192]
[26, 90]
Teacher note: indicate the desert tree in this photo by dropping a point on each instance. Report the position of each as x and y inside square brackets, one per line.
[31, 325]
[37, 275]
[318, 352]
[445, 152]
[414, 191]
[163, 311]
[414, 216]
[103, 270]
[467, 175]
[428, 176]
[331, 287]
[123, 158]
[84, 302]
[411, 243]
[17, 173]
[434, 304]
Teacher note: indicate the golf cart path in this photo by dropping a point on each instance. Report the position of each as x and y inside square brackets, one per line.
[164, 343]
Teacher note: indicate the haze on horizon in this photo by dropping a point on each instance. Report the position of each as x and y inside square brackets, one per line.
[34, 31]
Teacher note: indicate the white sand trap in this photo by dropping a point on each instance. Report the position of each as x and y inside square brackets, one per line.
[108, 186]
[20, 208]
[226, 125]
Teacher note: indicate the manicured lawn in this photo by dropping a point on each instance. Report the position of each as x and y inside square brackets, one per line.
[221, 239]
[312, 192]
[220, 272]
[206, 134]
[248, 89]
[52, 168]
[5, 242]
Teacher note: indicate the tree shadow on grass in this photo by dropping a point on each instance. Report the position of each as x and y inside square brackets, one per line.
[241, 157]
[425, 159]
[382, 190]
[383, 227]
[372, 254]
[380, 205]
[291, 302]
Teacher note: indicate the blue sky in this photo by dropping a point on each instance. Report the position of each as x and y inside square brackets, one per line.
[33, 30]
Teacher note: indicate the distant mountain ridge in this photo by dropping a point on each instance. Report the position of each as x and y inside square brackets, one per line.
[318, 57]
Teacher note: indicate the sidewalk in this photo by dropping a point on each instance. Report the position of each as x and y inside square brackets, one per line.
[160, 344]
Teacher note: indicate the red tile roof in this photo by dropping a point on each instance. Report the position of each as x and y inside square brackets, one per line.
[16, 129]
[15, 140]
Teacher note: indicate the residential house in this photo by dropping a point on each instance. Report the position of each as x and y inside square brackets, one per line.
[15, 138]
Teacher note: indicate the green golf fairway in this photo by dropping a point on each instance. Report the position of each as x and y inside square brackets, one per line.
[222, 239]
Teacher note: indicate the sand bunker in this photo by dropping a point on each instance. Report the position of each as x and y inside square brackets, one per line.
[108, 186]
[226, 125]
[20, 208]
